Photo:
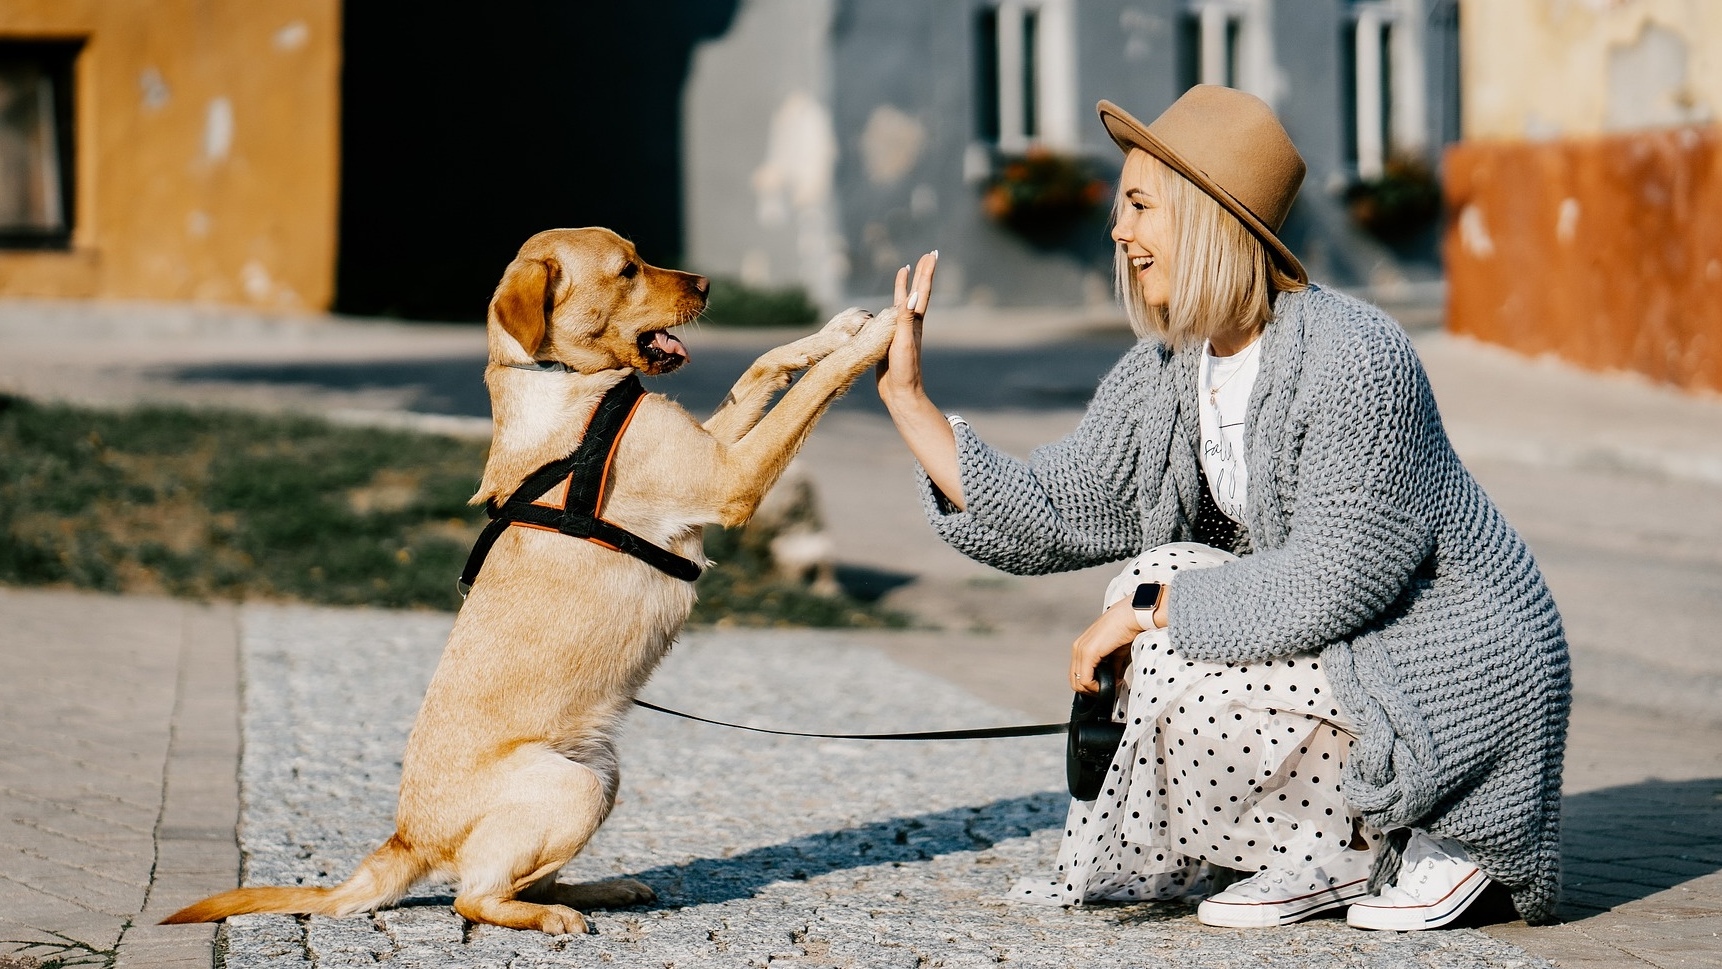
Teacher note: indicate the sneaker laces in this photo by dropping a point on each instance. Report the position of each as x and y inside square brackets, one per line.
[1423, 858]
[1263, 882]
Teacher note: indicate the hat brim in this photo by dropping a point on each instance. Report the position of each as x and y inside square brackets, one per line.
[1129, 133]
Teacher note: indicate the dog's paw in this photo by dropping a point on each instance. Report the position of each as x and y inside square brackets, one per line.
[877, 332]
[629, 891]
[848, 323]
[562, 920]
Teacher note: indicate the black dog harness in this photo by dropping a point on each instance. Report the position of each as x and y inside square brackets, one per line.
[587, 473]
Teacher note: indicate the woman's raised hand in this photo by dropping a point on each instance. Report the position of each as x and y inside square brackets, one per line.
[899, 374]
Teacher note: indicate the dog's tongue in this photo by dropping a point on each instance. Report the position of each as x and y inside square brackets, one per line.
[665, 343]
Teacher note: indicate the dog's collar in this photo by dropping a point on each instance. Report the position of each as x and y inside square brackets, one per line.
[542, 366]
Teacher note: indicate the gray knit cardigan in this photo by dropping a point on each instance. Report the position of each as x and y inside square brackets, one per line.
[1368, 541]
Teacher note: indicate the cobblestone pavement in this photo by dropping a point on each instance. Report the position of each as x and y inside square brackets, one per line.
[762, 849]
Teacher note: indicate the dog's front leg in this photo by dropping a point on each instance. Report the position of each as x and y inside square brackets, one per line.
[750, 466]
[747, 400]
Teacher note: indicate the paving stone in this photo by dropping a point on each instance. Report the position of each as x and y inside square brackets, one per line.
[762, 849]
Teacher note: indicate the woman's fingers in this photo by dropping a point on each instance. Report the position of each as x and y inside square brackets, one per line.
[923, 286]
[901, 294]
[1109, 634]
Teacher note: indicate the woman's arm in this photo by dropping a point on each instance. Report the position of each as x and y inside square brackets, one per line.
[1074, 503]
[898, 378]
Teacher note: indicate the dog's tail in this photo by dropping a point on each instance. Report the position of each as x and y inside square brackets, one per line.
[381, 878]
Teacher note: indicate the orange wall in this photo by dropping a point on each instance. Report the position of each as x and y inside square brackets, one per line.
[207, 140]
[1606, 251]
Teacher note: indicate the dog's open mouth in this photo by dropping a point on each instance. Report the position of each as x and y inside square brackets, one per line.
[662, 350]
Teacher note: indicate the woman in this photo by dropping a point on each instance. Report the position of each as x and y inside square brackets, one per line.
[1293, 428]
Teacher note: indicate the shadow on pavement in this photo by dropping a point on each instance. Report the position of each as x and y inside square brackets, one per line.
[708, 881]
[1622, 844]
[870, 584]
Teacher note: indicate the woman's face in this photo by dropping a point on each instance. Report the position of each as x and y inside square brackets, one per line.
[1145, 228]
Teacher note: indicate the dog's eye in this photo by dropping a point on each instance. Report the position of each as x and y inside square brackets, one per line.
[629, 270]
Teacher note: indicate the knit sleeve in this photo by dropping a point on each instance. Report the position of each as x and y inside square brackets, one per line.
[1073, 503]
[1357, 529]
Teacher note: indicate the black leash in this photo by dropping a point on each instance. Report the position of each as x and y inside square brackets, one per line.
[1088, 750]
[587, 472]
[977, 733]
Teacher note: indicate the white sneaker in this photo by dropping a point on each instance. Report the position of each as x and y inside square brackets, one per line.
[1437, 882]
[1281, 896]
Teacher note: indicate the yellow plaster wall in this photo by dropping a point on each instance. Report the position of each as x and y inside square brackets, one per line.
[207, 151]
[1547, 68]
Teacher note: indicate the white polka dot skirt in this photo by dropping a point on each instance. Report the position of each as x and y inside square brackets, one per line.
[1223, 766]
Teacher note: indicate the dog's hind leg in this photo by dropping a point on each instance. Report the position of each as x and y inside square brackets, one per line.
[610, 893]
[545, 810]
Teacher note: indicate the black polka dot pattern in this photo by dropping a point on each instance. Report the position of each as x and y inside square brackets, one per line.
[1200, 790]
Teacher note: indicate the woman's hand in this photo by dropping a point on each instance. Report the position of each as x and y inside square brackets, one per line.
[923, 427]
[1116, 628]
[899, 375]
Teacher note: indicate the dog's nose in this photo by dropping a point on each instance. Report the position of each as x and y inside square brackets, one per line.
[702, 284]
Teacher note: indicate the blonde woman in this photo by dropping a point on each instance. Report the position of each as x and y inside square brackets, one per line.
[1347, 684]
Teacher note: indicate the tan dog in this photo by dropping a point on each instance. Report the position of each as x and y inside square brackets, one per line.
[511, 766]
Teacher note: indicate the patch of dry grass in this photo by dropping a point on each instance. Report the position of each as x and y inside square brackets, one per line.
[215, 504]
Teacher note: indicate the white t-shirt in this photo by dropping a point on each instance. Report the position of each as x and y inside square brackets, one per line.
[1222, 399]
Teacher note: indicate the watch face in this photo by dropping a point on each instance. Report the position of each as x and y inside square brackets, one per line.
[1147, 595]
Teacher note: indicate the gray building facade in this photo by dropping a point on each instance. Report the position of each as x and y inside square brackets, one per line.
[828, 142]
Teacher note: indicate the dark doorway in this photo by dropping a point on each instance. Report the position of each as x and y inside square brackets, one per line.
[468, 127]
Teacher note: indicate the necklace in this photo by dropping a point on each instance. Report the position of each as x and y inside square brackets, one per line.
[1214, 391]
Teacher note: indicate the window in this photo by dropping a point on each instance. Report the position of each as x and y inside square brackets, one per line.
[36, 145]
[1208, 35]
[1381, 72]
[1025, 85]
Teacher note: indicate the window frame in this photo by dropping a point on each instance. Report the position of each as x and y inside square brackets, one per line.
[57, 58]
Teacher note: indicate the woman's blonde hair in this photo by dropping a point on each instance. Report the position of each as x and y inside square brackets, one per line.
[1221, 274]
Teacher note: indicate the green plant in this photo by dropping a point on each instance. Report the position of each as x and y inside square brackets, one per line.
[1042, 195]
[1403, 202]
[215, 504]
[734, 303]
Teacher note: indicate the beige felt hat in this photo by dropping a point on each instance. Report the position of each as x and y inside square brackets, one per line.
[1229, 144]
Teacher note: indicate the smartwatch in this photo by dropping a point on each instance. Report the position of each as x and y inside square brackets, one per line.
[1143, 602]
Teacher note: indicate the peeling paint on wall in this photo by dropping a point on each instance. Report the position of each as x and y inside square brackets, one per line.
[292, 36]
[218, 130]
[1473, 234]
[1562, 68]
[891, 144]
[153, 90]
[1566, 223]
[1631, 277]
[1647, 83]
[800, 153]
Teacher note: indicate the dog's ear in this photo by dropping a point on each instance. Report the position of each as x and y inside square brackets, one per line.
[524, 300]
